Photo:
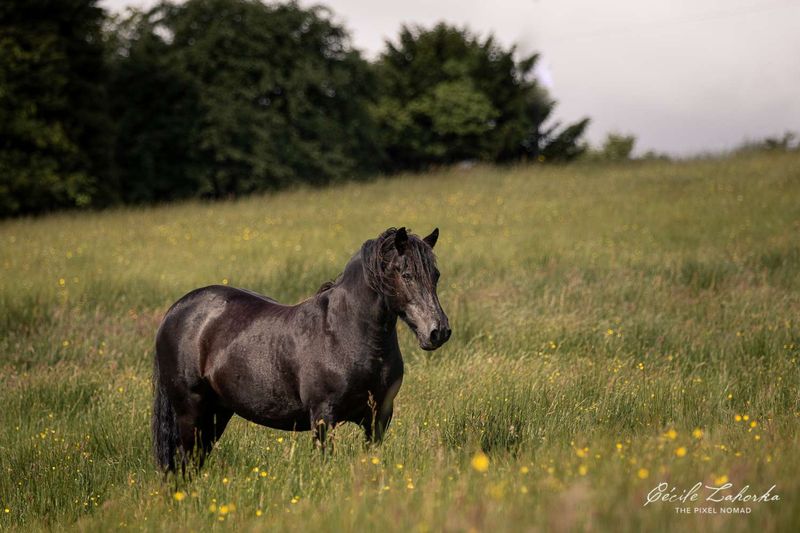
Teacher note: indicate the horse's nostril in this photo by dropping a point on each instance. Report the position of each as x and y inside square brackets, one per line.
[439, 336]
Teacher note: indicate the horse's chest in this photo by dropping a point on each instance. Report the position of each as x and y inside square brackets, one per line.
[369, 383]
[370, 372]
[373, 375]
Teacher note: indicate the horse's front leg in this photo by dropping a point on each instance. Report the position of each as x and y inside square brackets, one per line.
[377, 421]
[323, 423]
[381, 425]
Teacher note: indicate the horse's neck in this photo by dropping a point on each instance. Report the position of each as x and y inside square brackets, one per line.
[366, 308]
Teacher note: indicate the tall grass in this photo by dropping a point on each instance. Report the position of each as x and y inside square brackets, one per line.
[614, 327]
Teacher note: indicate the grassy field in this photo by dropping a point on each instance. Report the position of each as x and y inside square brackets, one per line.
[614, 327]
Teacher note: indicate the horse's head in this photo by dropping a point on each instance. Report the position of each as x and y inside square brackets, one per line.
[409, 277]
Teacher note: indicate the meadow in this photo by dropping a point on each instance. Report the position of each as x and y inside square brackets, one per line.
[614, 327]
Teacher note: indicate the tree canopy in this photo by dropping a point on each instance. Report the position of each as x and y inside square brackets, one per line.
[54, 148]
[255, 96]
[215, 98]
[446, 95]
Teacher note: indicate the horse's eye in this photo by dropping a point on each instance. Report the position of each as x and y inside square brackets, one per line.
[407, 276]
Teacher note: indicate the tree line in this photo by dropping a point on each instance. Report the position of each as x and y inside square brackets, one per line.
[217, 98]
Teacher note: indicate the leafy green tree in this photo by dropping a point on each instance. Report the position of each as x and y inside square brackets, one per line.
[156, 106]
[784, 143]
[563, 145]
[618, 147]
[268, 95]
[446, 95]
[54, 126]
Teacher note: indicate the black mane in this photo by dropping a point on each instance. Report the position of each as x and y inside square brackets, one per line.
[326, 285]
[377, 253]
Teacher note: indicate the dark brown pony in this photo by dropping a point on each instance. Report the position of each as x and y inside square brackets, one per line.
[332, 358]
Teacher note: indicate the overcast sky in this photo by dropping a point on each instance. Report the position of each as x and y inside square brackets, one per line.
[684, 76]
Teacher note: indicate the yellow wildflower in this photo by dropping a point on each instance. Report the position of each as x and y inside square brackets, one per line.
[480, 462]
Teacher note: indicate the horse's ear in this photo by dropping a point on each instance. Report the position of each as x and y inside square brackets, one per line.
[431, 239]
[401, 240]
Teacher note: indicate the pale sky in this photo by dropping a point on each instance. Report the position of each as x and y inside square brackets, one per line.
[684, 76]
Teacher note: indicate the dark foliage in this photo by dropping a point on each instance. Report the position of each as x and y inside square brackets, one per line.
[218, 98]
[446, 96]
[54, 143]
[226, 97]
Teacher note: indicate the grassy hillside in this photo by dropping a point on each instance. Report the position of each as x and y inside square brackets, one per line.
[614, 327]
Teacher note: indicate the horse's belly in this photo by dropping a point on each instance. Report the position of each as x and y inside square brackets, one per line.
[265, 396]
[296, 421]
[266, 403]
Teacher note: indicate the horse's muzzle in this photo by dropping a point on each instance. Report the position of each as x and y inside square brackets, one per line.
[439, 336]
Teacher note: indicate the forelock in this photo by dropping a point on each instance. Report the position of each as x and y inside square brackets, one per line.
[378, 253]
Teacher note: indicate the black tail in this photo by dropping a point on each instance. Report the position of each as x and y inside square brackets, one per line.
[164, 425]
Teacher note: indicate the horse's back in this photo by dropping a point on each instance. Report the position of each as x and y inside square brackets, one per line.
[191, 323]
[222, 293]
[206, 299]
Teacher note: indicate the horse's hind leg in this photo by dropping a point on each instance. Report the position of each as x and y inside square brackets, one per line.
[211, 427]
[201, 422]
